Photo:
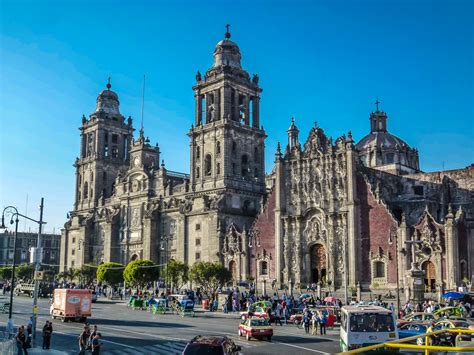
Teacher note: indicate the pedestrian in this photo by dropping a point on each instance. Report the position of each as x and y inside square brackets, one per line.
[96, 344]
[306, 321]
[47, 332]
[21, 341]
[92, 335]
[322, 322]
[278, 314]
[84, 339]
[314, 323]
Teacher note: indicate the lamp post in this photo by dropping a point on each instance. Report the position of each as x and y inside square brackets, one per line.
[164, 247]
[14, 214]
[390, 242]
[254, 240]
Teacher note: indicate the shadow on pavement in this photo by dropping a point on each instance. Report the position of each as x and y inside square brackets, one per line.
[291, 339]
[137, 323]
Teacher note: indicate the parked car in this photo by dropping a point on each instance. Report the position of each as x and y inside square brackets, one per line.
[446, 338]
[258, 328]
[215, 345]
[412, 329]
[417, 317]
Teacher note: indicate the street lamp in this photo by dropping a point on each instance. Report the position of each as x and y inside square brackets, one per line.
[14, 214]
[164, 247]
[390, 242]
[254, 240]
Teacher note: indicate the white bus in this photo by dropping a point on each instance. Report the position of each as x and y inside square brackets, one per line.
[366, 325]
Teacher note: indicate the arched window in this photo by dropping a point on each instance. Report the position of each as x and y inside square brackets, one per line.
[218, 148]
[255, 154]
[379, 269]
[208, 165]
[197, 172]
[256, 173]
[86, 190]
[218, 168]
[198, 152]
[263, 268]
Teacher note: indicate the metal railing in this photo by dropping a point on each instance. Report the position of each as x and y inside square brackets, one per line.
[8, 344]
[400, 344]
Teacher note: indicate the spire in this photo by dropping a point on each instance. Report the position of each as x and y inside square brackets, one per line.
[109, 85]
[293, 134]
[278, 152]
[227, 33]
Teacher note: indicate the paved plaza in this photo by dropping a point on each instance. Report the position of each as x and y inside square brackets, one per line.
[127, 331]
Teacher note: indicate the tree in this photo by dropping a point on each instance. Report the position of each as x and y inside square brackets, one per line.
[25, 272]
[111, 273]
[70, 274]
[177, 273]
[139, 272]
[5, 273]
[209, 275]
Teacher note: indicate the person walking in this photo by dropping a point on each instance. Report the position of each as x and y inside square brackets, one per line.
[322, 322]
[314, 324]
[278, 314]
[47, 332]
[96, 344]
[306, 321]
[84, 339]
[21, 341]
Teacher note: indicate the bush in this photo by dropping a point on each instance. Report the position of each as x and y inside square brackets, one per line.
[111, 273]
[139, 272]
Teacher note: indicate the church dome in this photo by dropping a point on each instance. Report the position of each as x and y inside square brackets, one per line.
[382, 150]
[381, 140]
[227, 53]
[107, 101]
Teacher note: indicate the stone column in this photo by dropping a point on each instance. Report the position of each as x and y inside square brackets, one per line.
[225, 102]
[279, 191]
[206, 105]
[452, 254]
[352, 230]
[198, 108]
[108, 251]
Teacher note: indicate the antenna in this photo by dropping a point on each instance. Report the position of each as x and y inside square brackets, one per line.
[143, 102]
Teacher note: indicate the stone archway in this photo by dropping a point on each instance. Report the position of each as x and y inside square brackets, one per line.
[318, 264]
[430, 275]
[233, 269]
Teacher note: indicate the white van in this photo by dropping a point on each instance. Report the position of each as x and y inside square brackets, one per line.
[366, 325]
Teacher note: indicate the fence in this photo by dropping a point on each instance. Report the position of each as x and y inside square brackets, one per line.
[8, 344]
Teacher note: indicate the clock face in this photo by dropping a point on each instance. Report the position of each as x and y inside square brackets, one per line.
[136, 161]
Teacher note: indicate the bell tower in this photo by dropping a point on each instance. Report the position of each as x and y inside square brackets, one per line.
[104, 151]
[226, 140]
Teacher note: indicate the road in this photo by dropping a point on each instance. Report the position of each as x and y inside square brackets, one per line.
[127, 331]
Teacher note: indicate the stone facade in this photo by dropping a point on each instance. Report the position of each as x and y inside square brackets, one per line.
[129, 206]
[338, 212]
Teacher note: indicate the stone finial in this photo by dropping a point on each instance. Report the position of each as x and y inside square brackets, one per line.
[84, 119]
[349, 136]
[227, 32]
[198, 76]
[162, 163]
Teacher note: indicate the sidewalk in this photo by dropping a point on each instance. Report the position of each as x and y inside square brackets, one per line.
[41, 351]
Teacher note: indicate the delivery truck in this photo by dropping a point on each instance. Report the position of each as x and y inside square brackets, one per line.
[71, 304]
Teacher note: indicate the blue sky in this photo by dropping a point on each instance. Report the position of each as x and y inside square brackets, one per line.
[324, 61]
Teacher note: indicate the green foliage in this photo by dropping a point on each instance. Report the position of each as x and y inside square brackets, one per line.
[109, 273]
[5, 273]
[177, 273]
[209, 275]
[139, 272]
[69, 275]
[25, 272]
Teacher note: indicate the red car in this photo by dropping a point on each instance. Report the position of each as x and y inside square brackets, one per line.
[258, 312]
[258, 328]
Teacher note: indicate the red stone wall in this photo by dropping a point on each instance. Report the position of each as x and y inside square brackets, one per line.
[265, 224]
[375, 223]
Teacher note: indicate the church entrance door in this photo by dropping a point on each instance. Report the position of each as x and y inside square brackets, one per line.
[430, 276]
[318, 263]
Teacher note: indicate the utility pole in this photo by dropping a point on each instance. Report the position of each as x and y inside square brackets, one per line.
[37, 268]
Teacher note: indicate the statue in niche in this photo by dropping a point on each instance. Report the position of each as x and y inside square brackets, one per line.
[212, 112]
[135, 217]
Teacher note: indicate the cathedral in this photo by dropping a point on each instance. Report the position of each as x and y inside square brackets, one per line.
[339, 213]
